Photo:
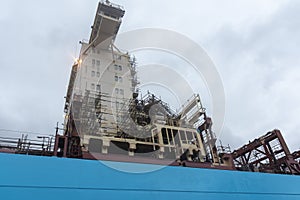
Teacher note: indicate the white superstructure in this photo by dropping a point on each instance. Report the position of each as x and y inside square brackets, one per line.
[104, 114]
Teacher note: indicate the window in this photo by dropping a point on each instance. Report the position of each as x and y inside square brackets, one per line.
[98, 74]
[117, 90]
[98, 51]
[190, 136]
[92, 86]
[98, 88]
[117, 57]
[116, 67]
[118, 118]
[182, 136]
[121, 91]
[93, 74]
[93, 62]
[118, 79]
[98, 62]
[164, 136]
[93, 50]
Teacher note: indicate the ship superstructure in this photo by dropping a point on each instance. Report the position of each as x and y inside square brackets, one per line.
[105, 115]
[107, 119]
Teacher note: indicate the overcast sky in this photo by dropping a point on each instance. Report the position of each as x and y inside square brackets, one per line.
[255, 45]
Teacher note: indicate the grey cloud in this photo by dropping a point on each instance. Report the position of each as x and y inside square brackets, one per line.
[260, 69]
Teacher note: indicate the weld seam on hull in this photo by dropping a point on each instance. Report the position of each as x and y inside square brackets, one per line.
[145, 190]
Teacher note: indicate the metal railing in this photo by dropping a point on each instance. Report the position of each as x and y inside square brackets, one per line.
[42, 145]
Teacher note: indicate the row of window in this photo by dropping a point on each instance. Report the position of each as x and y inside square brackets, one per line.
[119, 104]
[95, 62]
[119, 91]
[97, 87]
[93, 74]
[170, 136]
[118, 67]
[118, 57]
[95, 50]
[118, 79]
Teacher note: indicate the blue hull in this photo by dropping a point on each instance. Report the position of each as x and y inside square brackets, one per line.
[36, 177]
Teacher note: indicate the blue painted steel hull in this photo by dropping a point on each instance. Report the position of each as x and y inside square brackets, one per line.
[36, 177]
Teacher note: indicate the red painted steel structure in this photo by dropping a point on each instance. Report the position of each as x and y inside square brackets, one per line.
[268, 153]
